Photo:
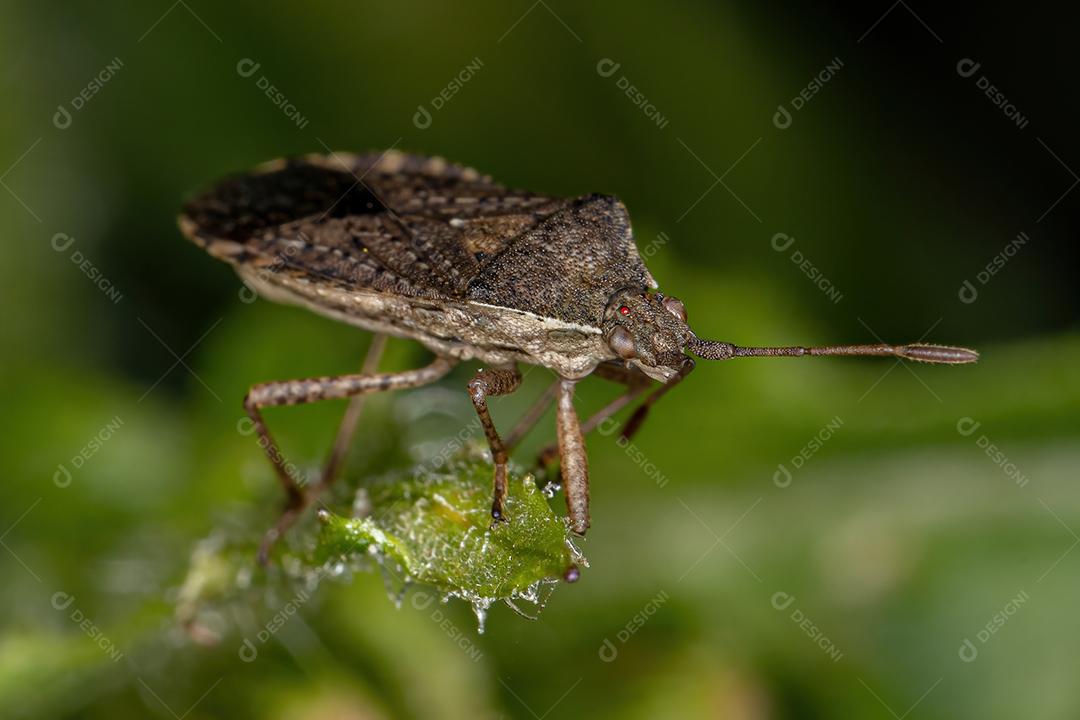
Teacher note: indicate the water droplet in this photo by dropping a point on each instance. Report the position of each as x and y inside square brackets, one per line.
[550, 489]
[480, 607]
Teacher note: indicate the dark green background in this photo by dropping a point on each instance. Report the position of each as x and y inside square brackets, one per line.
[899, 180]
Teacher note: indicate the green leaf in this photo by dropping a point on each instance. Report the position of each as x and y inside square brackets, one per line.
[419, 527]
[435, 529]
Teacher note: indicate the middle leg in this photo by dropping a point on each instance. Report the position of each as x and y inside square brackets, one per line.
[494, 381]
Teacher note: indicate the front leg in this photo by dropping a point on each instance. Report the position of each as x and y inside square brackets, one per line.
[575, 466]
[636, 383]
[494, 381]
[639, 415]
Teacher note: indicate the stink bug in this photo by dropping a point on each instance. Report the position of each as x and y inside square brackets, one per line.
[420, 248]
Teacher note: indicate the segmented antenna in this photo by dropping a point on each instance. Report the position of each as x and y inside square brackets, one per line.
[920, 352]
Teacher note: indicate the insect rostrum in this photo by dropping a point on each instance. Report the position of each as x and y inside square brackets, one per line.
[420, 248]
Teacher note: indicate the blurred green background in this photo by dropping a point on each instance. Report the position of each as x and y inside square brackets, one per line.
[917, 562]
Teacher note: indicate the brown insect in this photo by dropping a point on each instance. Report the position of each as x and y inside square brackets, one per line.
[419, 248]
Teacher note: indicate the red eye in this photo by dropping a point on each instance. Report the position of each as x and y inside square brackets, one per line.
[623, 310]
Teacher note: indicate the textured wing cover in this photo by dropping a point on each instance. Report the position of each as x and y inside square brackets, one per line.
[421, 227]
[568, 265]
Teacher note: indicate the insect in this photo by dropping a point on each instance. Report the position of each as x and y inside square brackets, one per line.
[416, 247]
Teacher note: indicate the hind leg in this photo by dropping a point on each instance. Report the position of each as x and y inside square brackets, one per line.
[310, 390]
[347, 428]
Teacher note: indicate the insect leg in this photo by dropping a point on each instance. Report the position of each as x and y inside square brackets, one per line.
[638, 417]
[548, 453]
[531, 416]
[636, 383]
[618, 373]
[575, 468]
[352, 416]
[494, 381]
[297, 392]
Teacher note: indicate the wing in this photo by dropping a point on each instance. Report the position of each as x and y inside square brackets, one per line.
[391, 222]
[568, 265]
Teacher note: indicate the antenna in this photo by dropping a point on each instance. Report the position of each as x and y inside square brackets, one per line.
[921, 352]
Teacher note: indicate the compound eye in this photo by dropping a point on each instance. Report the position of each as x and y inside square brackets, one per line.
[622, 342]
[675, 307]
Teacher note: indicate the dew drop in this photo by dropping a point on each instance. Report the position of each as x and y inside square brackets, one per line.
[480, 607]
